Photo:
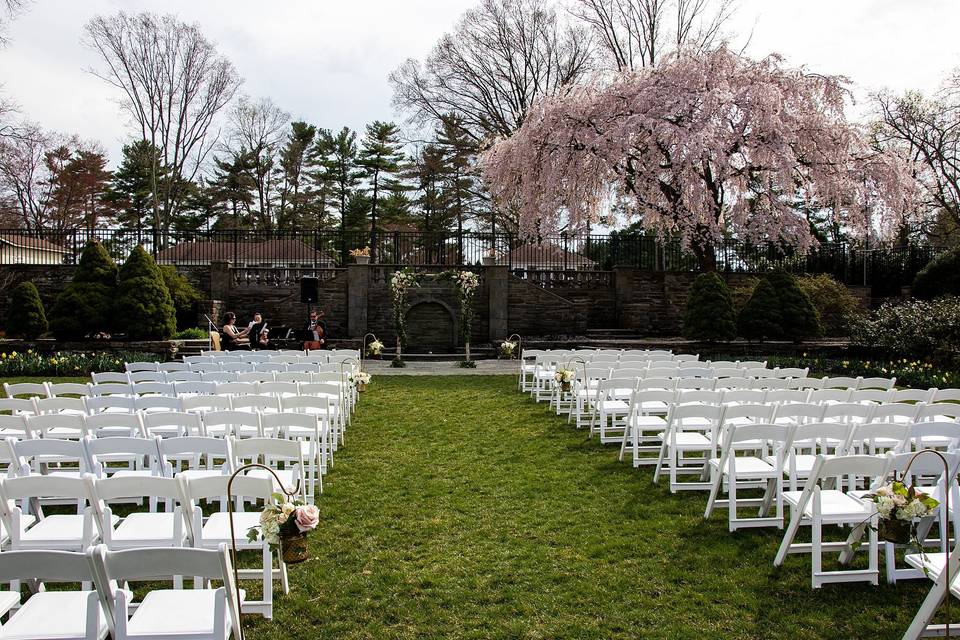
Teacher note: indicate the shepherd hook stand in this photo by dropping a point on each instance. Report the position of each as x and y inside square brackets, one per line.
[233, 533]
[948, 481]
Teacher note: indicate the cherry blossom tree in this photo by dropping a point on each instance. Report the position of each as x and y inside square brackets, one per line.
[701, 147]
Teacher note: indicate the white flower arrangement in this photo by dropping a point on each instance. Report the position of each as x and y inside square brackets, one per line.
[374, 348]
[468, 281]
[564, 376]
[898, 507]
[507, 347]
[361, 377]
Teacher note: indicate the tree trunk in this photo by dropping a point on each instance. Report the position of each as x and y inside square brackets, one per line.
[466, 350]
[706, 256]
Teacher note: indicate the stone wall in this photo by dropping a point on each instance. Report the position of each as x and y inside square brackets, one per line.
[357, 300]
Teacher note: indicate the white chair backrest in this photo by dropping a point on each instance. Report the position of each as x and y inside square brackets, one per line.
[195, 388]
[707, 384]
[103, 404]
[237, 388]
[280, 389]
[153, 404]
[875, 396]
[826, 396]
[792, 372]
[734, 383]
[798, 412]
[148, 376]
[288, 424]
[912, 395]
[293, 376]
[806, 383]
[134, 367]
[657, 383]
[255, 403]
[26, 389]
[900, 412]
[111, 389]
[68, 389]
[847, 412]
[173, 366]
[58, 425]
[154, 389]
[203, 404]
[841, 382]
[55, 405]
[930, 434]
[110, 376]
[946, 395]
[255, 376]
[877, 383]
[219, 377]
[744, 396]
[231, 423]
[177, 422]
[698, 396]
[183, 376]
[115, 424]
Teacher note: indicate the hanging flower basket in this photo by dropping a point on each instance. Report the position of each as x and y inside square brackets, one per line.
[895, 531]
[293, 548]
[361, 387]
[565, 387]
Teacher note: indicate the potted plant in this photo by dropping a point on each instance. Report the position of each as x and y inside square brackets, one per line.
[361, 256]
[286, 524]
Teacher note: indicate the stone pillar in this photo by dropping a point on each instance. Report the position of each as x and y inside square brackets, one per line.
[622, 293]
[221, 280]
[498, 287]
[358, 286]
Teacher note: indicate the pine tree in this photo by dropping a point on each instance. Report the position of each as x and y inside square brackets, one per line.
[428, 171]
[460, 151]
[143, 301]
[25, 315]
[231, 188]
[709, 315]
[798, 317]
[294, 167]
[183, 294]
[760, 317]
[381, 158]
[344, 174]
[131, 185]
[86, 306]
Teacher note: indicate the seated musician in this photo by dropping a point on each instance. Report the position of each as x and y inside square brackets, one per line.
[319, 329]
[260, 335]
[233, 338]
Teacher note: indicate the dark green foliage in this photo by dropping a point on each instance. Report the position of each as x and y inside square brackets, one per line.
[25, 315]
[143, 302]
[760, 317]
[184, 296]
[709, 316]
[96, 266]
[834, 302]
[940, 277]
[798, 317]
[85, 306]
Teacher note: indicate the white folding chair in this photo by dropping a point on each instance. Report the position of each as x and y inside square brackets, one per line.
[226, 423]
[108, 377]
[765, 446]
[109, 404]
[147, 376]
[691, 429]
[213, 531]
[171, 424]
[284, 457]
[170, 367]
[58, 389]
[50, 613]
[137, 367]
[150, 528]
[195, 457]
[203, 404]
[64, 532]
[182, 376]
[26, 389]
[211, 613]
[816, 506]
[68, 426]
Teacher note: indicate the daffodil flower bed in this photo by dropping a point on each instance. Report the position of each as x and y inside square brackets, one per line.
[909, 372]
[31, 363]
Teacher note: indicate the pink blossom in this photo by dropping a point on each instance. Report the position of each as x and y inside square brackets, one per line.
[700, 147]
[308, 517]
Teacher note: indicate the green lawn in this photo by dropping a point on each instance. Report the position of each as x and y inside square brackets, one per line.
[460, 508]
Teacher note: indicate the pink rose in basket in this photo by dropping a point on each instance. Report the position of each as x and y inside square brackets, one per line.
[308, 517]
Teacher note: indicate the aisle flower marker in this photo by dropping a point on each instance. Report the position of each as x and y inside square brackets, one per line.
[899, 507]
[361, 380]
[564, 378]
[286, 524]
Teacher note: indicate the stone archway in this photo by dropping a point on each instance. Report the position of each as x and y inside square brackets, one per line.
[430, 328]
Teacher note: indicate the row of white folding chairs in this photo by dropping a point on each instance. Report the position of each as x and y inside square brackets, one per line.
[287, 357]
[692, 433]
[80, 531]
[146, 456]
[172, 368]
[232, 355]
[206, 611]
[640, 428]
[113, 384]
[594, 397]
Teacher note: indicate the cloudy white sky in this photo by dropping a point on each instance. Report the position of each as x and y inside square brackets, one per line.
[327, 61]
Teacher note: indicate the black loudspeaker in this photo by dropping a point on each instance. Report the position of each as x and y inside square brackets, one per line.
[309, 290]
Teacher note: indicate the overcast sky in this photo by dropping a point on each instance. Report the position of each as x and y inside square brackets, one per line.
[326, 61]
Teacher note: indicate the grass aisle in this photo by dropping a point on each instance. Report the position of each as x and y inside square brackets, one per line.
[461, 509]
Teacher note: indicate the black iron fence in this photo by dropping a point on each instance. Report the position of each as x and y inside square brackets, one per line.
[853, 264]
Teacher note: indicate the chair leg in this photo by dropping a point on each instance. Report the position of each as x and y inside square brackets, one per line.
[788, 536]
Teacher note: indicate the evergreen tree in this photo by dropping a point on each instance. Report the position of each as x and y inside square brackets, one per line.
[131, 185]
[321, 190]
[427, 171]
[293, 166]
[231, 188]
[381, 159]
[460, 151]
[798, 317]
[709, 315]
[344, 174]
[760, 317]
[941, 277]
[25, 315]
[143, 302]
[85, 306]
[183, 294]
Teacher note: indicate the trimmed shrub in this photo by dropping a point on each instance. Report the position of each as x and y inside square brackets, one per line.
[834, 302]
[85, 306]
[185, 297]
[25, 316]
[191, 333]
[940, 277]
[741, 291]
[143, 301]
[760, 317]
[798, 317]
[709, 315]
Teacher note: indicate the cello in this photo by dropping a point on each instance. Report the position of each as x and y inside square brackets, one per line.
[316, 327]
